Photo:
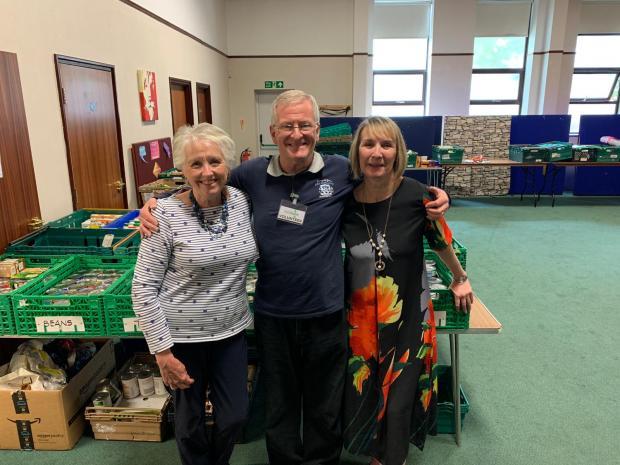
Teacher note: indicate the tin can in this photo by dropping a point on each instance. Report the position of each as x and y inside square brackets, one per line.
[146, 383]
[158, 381]
[129, 382]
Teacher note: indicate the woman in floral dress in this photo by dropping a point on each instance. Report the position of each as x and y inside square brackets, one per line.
[391, 389]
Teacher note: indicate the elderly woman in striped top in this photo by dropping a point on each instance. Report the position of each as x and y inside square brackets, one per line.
[189, 294]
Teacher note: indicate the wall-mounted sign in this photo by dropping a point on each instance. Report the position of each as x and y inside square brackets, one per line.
[274, 84]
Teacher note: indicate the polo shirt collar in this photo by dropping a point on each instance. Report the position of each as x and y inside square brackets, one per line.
[274, 169]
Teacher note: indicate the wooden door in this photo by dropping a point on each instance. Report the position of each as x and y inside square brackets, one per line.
[203, 98]
[181, 103]
[19, 201]
[90, 117]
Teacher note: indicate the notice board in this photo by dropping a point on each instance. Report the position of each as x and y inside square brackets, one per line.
[150, 158]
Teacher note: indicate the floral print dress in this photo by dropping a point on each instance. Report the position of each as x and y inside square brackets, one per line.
[391, 387]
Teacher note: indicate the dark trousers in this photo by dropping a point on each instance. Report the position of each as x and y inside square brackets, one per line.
[223, 365]
[303, 367]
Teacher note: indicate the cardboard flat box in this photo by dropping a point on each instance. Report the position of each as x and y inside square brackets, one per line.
[51, 420]
[139, 419]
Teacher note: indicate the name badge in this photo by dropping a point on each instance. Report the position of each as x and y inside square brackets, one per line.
[292, 212]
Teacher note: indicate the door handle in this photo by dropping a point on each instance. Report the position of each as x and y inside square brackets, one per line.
[35, 223]
[118, 185]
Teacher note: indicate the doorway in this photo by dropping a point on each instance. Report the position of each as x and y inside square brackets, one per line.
[264, 100]
[181, 103]
[203, 99]
[87, 94]
[19, 200]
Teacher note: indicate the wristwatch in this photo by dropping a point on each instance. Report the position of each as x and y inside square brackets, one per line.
[460, 279]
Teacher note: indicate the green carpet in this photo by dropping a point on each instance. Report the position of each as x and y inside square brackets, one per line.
[544, 391]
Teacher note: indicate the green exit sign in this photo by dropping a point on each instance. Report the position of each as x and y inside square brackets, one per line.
[274, 84]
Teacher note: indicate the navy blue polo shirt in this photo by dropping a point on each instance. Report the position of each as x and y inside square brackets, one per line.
[300, 270]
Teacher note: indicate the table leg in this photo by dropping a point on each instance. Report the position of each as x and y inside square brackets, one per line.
[456, 386]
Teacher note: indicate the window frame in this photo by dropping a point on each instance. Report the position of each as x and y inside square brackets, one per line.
[519, 71]
[608, 100]
[423, 72]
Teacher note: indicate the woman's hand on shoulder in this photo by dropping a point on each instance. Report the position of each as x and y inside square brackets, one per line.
[436, 208]
[463, 294]
[148, 223]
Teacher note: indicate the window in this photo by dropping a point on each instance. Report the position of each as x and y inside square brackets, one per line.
[594, 90]
[399, 77]
[497, 76]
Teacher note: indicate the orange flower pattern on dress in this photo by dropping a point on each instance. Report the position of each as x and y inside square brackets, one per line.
[380, 298]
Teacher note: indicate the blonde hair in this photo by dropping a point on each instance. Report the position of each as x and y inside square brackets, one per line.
[207, 132]
[379, 126]
[289, 97]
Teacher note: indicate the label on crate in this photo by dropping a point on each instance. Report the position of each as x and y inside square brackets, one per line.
[131, 325]
[440, 319]
[107, 240]
[59, 324]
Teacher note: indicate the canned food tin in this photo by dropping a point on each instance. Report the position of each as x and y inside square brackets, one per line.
[102, 399]
[146, 383]
[129, 382]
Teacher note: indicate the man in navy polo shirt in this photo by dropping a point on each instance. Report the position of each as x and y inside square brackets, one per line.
[297, 201]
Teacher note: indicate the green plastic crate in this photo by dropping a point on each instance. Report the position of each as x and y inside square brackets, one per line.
[340, 130]
[52, 241]
[459, 250]
[559, 151]
[171, 173]
[585, 152]
[445, 402]
[30, 302]
[7, 319]
[528, 153]
[608, 154]
[75, 219]
[443, 299]
[448, 154]
[120, 319]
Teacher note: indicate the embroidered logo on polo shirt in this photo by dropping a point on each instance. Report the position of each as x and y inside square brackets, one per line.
[326, 187]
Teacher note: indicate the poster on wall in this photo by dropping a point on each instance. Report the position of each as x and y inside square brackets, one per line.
[147, 89]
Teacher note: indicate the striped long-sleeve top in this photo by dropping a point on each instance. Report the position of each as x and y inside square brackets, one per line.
[189, 284]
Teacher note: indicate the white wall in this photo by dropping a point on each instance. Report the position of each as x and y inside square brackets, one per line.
[289, 27]
[201, 18]
[330, 80]
[109, 32]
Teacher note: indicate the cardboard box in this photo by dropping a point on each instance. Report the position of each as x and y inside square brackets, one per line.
[51, 420]
[139, 419]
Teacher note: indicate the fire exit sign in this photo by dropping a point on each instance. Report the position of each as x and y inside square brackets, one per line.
[274, 84]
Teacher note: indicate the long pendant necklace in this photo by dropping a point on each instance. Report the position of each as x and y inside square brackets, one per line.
[378, 248]
[215, 228]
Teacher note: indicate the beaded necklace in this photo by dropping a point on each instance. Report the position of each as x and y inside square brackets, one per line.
[215, 228]
[378, 248]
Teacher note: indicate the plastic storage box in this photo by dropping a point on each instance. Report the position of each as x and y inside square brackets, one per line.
[448, 154]
[528, 153]
[445, 402]
[7, 319]
[446, 315]
[75, 219]
[585, 152]
[53, 241]
[37, 313]
[608, 154]
[559, 151]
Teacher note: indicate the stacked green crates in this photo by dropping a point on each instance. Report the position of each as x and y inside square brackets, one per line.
[75, 219]
[443, 299]
[448, 154]
[459, 250]
[7, 318]
[528, 153]
[52, 241]
[120, 319]
[585, 152]
[559, 151]
[445, 402]
[608, 154]
[31, 304]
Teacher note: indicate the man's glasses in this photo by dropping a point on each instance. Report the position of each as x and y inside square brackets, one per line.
[304, 128]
